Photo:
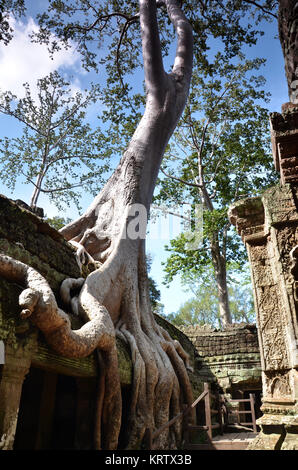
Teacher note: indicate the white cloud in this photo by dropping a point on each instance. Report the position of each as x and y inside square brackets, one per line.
[23, 61]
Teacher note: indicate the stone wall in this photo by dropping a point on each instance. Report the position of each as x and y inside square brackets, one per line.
[268, 226]
[230, 357]
[242, 338]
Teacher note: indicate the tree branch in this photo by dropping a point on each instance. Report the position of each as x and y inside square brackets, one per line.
[171, 213]
[19, 118]
[251, 2]
[76, 185]
[184, 53]
[68, 157]
[100, 18]
[180, 180]
[123, 32]
[152, 56]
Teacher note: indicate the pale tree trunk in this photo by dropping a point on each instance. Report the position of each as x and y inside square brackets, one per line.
[218, 255]
[114, 299]
[219, 264]
[41, 174]
[36, 191]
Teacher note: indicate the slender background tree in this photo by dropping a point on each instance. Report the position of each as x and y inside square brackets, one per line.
[220, 152]
[58, 153]
[203, 307]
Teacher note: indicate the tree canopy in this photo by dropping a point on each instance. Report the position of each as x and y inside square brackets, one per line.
[106, 35]
[203, 307]
[7, 8]
[58, 153]
[220, 152]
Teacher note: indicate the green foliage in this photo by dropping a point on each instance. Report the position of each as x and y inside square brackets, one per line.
[199, 310]
[57, 221]
[107, 34]
[6, 7]
[203, 307]
[220, 153]
[58, 152]
[224, 112]
[154, 292]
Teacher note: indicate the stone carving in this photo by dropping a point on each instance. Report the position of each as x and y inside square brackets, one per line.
[269, 306]
[273, 255]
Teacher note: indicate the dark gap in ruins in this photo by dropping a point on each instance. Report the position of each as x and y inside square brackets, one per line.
[64, 422]
[27, 427]
[295, 198]
[56, 412]
[126, 400]
[244, 393]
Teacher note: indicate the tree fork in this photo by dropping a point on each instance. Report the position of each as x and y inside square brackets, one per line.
[102, 232]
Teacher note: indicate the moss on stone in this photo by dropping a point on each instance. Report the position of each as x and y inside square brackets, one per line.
[247, 206]
[25, 230]
[14, 331]
[29, 239]
[177, 334]
[124, 363]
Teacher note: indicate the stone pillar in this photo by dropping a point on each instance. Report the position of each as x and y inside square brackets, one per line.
[13, 372]
[269, 228]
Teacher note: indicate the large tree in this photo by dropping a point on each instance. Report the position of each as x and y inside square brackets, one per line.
[288, 34]
[114, 298]
[220, 152]
[57, 153]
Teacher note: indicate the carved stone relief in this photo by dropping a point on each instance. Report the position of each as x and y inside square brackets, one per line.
[268, 298]
[278, 385]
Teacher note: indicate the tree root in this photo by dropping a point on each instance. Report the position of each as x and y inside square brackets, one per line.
[65, 293]
[38, 302]
[160, 380]
[160, 386]
[82, 255]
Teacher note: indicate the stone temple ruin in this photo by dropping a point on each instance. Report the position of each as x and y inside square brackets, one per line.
[268, 226]
[49, 402]
[231, 358]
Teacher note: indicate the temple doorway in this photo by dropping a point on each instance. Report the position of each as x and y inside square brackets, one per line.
[56, 412]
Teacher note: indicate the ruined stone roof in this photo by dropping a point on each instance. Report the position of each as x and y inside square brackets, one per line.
[237, 338]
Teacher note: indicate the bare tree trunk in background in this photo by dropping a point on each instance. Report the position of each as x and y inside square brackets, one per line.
[220, 269]
[218, 257]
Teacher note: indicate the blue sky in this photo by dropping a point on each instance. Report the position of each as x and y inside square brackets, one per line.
[23, 61]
